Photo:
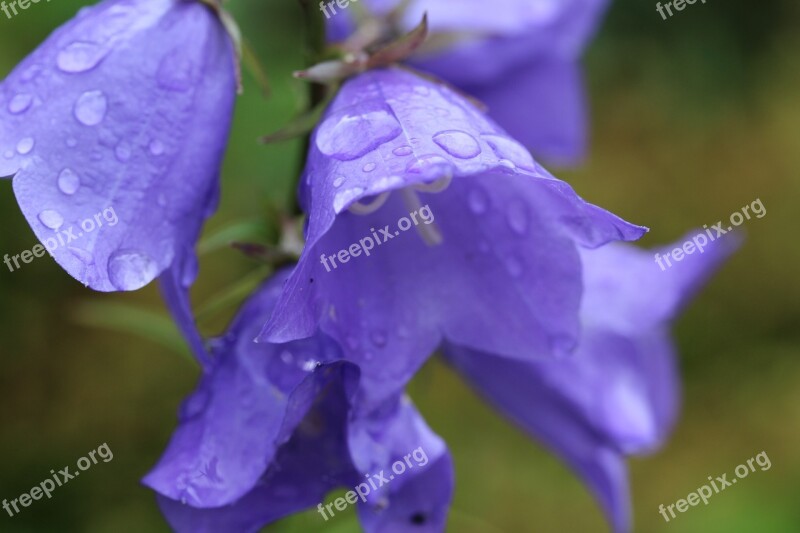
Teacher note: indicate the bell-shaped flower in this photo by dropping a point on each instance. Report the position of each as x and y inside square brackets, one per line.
[520, 57]
[123, 111]
[427, 222]
[618, 394]
[271, 429]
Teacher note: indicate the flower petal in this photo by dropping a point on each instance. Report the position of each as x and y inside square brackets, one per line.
[126, 107]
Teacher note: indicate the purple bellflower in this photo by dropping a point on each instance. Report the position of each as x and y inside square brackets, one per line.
[495, 267]
[271, 430]
[617, 395]
[520, 57]
[125, 107]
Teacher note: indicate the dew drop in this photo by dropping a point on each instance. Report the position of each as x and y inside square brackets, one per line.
[510, 150]
[156, 147]
[68, 182]
[176, 72]
[338, 181]
[123, 152]
[90, 108]
[190, 270]
[347, 136]
[345, 198]
[517, 217]
[24, 146]
[195, 404]
[428, 163]
[20, 103]
[378, 338]
[403, 151]
[369, 167]
[130, 270]
[478, 201]
[458, 144]
[50, 218]
[80, 57]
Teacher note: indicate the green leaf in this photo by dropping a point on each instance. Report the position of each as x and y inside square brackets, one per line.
[155, 326]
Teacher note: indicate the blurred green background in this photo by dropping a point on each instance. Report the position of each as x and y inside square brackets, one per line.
[693, 118]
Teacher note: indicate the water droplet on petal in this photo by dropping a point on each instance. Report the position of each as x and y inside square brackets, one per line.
[510, 150]
[82, 255]
[517, 217]
[156, 147]
[429, 163]
[130, 270]
[176, 72]
[458, 144]
[20, 103]
[31, 72]
[403, 151]
[345, 198]
[369, 167]
[338, 181]
[68, 182]
[347, 136]
[287, 357]
[90, 108]
[507, 165]
[378, 338]
[25, 145]
[478, 201]
[195, 404]
[123, 152]
[50, 218]
[80, 56]
[190, 269]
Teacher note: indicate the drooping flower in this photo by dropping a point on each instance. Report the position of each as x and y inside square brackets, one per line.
[520, 57]
[271, 430]
[617, 395]
[126, 108]
[491, 262]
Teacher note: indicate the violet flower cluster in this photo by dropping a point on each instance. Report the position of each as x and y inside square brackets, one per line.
[525, 288]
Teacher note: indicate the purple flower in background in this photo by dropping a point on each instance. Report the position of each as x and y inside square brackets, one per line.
[520, 57]
[617, 395]
[125, 107]
[270, 431]
[494, 266]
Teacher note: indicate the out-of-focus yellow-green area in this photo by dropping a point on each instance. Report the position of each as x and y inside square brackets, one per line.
[692, 118]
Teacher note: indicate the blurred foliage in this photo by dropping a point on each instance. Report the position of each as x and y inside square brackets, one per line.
[692, 119]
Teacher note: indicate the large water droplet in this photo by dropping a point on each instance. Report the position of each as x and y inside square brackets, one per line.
[130, 270]
[52, 219]
[20, 103]
[347, 136]
[510, 150]
[80, 56]
[458, 144]
[517, 217]
[25, 145]
[478, 201]
[176, 72]
[68, 182]
[90, 108]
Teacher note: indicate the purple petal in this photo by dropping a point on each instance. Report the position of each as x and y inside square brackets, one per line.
[125, 108]
[504, 280]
